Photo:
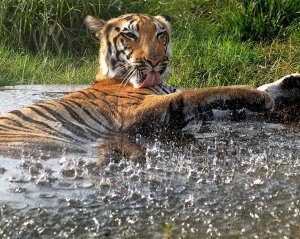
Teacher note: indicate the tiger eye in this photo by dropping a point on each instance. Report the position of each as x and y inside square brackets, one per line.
[130, 36]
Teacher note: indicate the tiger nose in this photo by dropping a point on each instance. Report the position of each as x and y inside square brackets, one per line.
[153, 60]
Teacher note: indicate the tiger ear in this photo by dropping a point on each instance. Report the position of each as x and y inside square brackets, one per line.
[164, 18]
[95, 24]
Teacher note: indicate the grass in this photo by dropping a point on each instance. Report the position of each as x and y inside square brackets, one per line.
[206, 52]
[221, 59]
[18, 68]
[258, 20]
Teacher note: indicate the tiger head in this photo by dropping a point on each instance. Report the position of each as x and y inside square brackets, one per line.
[134, 48]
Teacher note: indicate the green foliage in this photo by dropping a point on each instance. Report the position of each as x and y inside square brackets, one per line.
[42, 26]
[258, 20]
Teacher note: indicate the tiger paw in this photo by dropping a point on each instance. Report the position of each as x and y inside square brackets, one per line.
[247, 97]
[285, 91]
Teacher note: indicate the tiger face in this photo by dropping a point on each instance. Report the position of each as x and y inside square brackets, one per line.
[134, 48]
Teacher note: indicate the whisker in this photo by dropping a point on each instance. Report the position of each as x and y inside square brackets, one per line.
[126, 78]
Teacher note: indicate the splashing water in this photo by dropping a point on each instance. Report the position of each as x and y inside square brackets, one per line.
[232, 180]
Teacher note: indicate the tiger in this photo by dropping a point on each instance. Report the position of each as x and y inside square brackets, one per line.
[129, 95]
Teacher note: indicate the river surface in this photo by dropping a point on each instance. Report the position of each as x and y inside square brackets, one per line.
[227, 180]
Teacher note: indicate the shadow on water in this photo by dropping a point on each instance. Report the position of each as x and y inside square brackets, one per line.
[218, 180]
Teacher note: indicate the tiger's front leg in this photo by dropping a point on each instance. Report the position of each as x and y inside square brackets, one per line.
[176, 110]
[229, 98]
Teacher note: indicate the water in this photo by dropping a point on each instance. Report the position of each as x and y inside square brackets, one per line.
[232, 180]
